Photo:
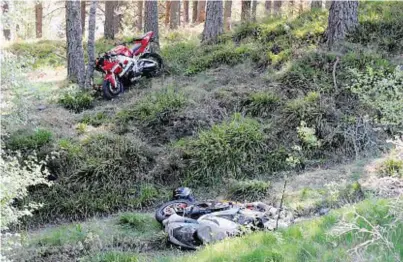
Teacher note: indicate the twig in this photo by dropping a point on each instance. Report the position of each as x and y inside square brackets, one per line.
[334, 72]
[281, 201]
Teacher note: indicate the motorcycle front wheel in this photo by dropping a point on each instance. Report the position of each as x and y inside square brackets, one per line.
[109, 91]
[169, 208]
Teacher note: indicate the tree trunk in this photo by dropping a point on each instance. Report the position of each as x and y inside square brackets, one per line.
[167, 12]
[185, 11]
[139, 20]
[316, 4]
[91, 43]
[201, 9]
[254, 7]
[277, 7]
[343, 19]
[245, 10]
[227, 14]
[151, 19]
[7, 23]
[328, 4]
[291, 5]
[213, 27]
[109, 26]
[38, 19]
[83, 4]
[301, 6]
[174, 15]
[194, 11]
[268, 7]
[75, 52]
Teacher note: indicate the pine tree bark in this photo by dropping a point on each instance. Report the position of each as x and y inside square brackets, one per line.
[151, 19]
[316, 4]
[214, 26]
[167, 12]
[194, 11]
[328, 3]
[245, 10]
[201, 11]
[185, 11]
[75, 52]
[91, 44]
[277, 7]
[38, 19]
[139, 20]
[174, 15]
[268, 7]
[109, 25]
[343, 19]
[254, 7]
[227, 14]
[83, 5]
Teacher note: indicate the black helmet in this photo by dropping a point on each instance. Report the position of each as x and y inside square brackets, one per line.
[183, 193]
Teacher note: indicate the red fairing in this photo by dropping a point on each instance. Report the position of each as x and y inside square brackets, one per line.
[110, 77]
[122, 50]
[144, 43]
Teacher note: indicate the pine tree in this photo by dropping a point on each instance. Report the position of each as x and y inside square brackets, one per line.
[75, 52]
[227, 14]
[185, 11]
[139, 20]
[38, 19]
[91, 43]
[194, 11]
[174, 15]
[83, 6]
[343, 19]
[277, 7]
[246, 10]
[201, 11]
[213, 27]
[151, 19]
[268, 7]
[109, 25]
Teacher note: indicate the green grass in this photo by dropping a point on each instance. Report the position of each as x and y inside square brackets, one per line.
[76, 100]
[313, 240]
[139, 222]
[29, 139]
[248, 190]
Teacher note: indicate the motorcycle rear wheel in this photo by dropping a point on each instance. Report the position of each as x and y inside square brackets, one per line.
[158, 59]
[169, 208]
[109, 91]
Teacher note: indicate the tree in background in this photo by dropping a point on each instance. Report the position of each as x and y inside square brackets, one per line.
[254, 7]
[201, 11]
[227, 14]
[194, 11]
[139, 20]
[185, 11]
[245, 10]
[214, 26]
[75, 52]
[167, 13]
[277, 7]
[316, 4]
[268, 7]
[91, 43]
[109, 25]
[83, 7]
[38, 19]
[343, 19]
[174, 15]
[328, 4]
[151, 19]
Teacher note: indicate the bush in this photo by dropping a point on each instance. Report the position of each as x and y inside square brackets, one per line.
[231, 149]
[260, 104]
[76, 99]
[29, 140]
[156, 107]
[392, 167]
[248, 190]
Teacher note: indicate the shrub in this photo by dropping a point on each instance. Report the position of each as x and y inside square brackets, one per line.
[382, 92]
[392, 167]
[307, 136]
[76, 99]
[304, 108]
[248, 190]
[230, 149]
[156, 107]
[260, 104]
[15, 180]
[29, 140]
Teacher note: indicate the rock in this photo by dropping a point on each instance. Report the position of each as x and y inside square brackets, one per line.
[41, 107]
[323, 211]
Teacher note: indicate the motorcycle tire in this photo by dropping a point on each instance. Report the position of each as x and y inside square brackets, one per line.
[109, 92]
[157, 58]
[160, 214]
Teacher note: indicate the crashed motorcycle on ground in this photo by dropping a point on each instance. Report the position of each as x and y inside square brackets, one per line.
[191, 224]
[124, 65]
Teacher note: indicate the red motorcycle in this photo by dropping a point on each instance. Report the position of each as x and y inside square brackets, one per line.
[124, 65]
